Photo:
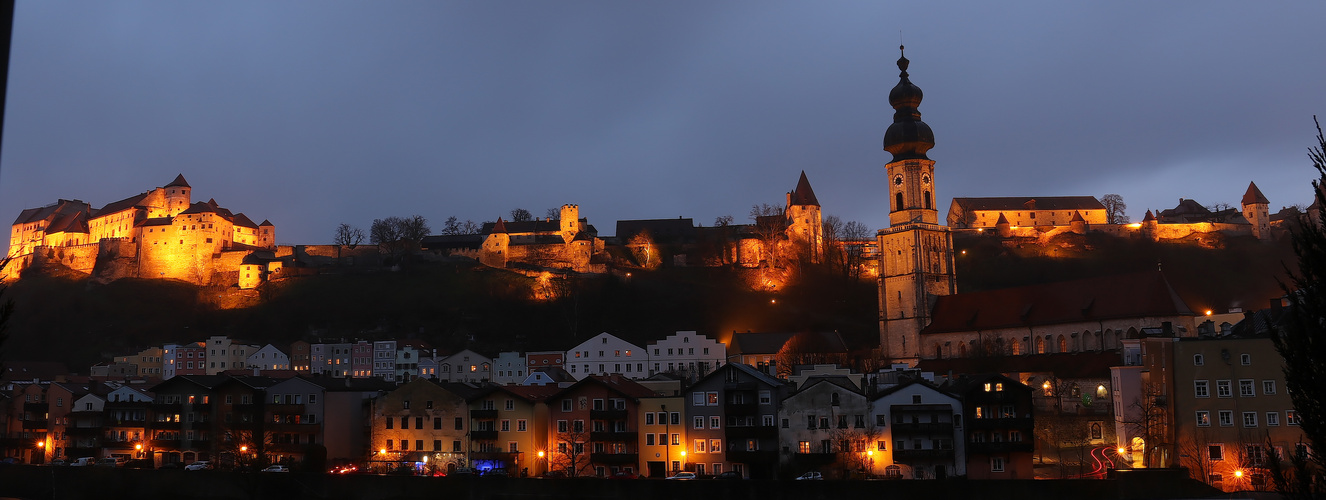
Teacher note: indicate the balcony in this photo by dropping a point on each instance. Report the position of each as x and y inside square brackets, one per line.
[483, 435]
[752, 457]
[902, 455]
[739, 386]
[752, 432]
[165, 425]
[607, 414]
[35, 424]
[740, 409]
[923, 428]
[163, 444]
[620, 436]
[614, 458]
[1021, 423]
[504, 456]
[483, 414]
[284, 409]
[1001, 447]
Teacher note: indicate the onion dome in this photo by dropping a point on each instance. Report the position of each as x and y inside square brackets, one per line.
[908, 137]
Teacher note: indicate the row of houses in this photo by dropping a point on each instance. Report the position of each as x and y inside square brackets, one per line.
[684, 353]
[899, 423]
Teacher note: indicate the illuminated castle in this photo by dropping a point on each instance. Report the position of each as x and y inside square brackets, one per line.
[160, 233]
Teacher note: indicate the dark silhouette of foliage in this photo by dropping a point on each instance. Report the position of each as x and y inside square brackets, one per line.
[1303, 341]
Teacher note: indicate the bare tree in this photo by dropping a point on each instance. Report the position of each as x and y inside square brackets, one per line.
[553, 213]
[347, 236]
[1218, 206]
[770, 228]
[1114, 209]
[386, 234]
[414, 229]
[571, 454]
[646, 253]
[1147, 420]
[723, 220]
[520, 215]
[855, 236]
[832, 249]
[451, 227]
[470, 227]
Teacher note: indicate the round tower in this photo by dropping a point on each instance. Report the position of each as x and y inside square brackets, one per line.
[570, 221]
[177, 196]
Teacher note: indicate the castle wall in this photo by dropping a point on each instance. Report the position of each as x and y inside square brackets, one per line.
[81, 258]
[116, 258]
[1161, 232]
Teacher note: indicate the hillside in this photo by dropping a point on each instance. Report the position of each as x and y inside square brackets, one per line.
[66, 317]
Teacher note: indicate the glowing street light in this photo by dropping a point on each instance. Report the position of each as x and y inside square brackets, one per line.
[1238, 473]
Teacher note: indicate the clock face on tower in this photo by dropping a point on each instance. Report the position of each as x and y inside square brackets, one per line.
[925, 179]
[897, 181]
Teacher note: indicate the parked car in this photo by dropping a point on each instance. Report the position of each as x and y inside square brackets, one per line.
[276, 468]
[810, 476]
[683, 476]
[109, 462]
[729, 475]
[496, 473]
[170, 465]
[624, 475]
[139, 463]
[199, 465]
[83, 462]
[555, 474]
[462, 472]
[58, 463]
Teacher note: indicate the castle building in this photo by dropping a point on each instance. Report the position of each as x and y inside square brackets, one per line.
[805, 221]
[972, 213]
[916, 253]
[155, 234]
[1257, 210]
[568, 242]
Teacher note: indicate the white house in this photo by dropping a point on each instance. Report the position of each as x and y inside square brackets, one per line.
[687, 354]
[269, 358]
[465, 366]
[922, 434]
[605, 354]
[224, 354]
[509, 368]
[409, 354]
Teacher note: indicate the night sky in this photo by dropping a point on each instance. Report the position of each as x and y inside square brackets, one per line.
[315, 113]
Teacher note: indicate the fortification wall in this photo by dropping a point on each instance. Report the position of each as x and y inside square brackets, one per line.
[81, 258]
[116, 258]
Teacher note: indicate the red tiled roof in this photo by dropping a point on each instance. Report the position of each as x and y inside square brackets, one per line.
[179, 181]
[1065, 365]
[1254, 195]
[122, 205]
[1016, 203]
[803, 194]
[1136, 295]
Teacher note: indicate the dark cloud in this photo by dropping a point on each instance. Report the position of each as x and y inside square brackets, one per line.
[316, 114]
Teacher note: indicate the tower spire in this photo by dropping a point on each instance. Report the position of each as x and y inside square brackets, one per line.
[908, 137]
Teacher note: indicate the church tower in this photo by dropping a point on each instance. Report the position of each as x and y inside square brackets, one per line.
[915, 252]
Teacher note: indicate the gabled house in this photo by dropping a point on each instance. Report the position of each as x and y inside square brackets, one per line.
[595, 426]
[923, 432]
[606, 354]
[465, 366]
[732, 412]
[420, 422]
[827, 426]
[1000, 426]
[509, 427]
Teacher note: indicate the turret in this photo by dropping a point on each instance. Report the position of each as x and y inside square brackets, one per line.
[177, 196]
[1079, 224]
[570, 222]
[1003, 227]
[1257, 209]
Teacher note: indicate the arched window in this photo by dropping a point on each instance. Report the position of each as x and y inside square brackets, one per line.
[939, 351]
[962, 350]
[1017, 348]
[897, 201]
[1063, 344]
[1040, 345]
[926, 195]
